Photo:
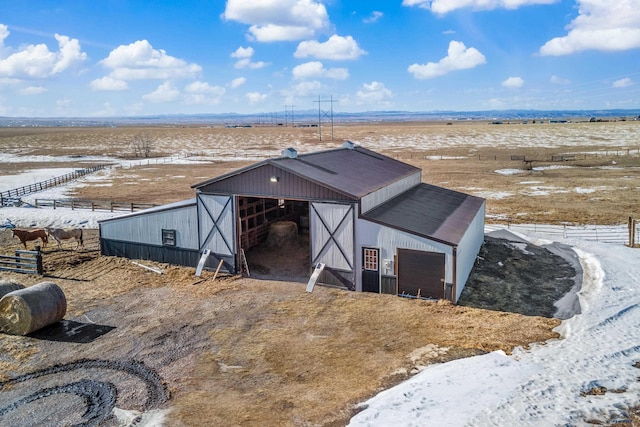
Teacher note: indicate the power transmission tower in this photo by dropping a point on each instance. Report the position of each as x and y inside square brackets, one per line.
[288, 115]
[324, 115]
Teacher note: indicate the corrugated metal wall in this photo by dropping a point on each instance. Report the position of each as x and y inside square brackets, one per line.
[468, 250]
[257, 182]
[376, 198]
[388, 240]
[147, 228]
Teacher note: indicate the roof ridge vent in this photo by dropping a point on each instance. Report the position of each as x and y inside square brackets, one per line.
[290, 153]
[348, 144]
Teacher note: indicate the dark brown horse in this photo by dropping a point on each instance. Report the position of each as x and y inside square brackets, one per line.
[29, 235]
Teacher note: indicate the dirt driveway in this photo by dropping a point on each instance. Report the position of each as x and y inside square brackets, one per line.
[137, 347]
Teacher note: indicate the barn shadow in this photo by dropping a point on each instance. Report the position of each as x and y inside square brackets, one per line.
[72, 332]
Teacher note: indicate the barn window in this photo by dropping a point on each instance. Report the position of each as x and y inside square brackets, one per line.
[168, 237]
[370, 259]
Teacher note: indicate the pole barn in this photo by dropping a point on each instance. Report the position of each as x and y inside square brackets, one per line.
[369, 219]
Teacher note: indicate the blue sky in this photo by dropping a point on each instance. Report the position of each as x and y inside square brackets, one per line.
[130, 58]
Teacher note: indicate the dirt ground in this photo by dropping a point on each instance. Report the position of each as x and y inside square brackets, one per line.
[256, 351]
[230, 351]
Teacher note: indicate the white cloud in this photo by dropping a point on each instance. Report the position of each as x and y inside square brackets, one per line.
[375, 17]
[307, 88]
[244, 55]
[459, 57]
[513, 82]
[441, 7]
[336, 48]
[107, 83]
[166, 92]
[256, 97]
[139, 60]
[282, 20]
[246, 63]
[202, 93]
[374, 94]
[312, 70]
[626, 82]
[237, 82]
[69, 55]
[606, 25]
[243, 52]
[559, 80]
[37, 61]
[33, 90]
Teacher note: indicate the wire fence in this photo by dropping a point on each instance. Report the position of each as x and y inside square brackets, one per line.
[616, 234]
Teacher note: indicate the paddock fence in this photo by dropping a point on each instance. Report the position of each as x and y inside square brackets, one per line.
[93, 205]
[550, 158]
[27, 262]
[10, 197]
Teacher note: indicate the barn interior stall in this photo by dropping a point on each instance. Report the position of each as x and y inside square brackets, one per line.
[274, 234]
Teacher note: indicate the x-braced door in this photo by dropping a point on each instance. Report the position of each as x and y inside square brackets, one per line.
[216, 229]
[332, 235]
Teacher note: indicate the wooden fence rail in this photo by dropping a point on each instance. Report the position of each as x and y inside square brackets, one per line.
[28, 262]
[94, 205]
[9, 196]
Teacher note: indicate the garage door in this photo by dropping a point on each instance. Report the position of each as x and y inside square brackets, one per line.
[421, 273]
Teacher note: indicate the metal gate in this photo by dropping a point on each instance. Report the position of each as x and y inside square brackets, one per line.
[332, 235]
[421, 273]
[216, 229]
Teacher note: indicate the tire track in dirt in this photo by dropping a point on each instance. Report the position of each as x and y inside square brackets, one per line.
[98, 396]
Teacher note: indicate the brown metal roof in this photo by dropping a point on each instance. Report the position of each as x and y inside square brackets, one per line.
[429, 211]
[353, 172]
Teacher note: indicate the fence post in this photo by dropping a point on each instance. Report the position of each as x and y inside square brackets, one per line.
[39, 266]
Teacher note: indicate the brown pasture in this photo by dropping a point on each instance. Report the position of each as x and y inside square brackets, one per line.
[241, 351]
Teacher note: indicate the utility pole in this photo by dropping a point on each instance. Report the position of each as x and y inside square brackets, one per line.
[324, 115]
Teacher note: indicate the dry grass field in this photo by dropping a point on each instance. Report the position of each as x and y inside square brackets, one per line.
[597, 181]
[241, 351]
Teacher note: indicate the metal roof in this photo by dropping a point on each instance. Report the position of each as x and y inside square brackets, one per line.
[161, 208]
[352, 171]
[429, 211]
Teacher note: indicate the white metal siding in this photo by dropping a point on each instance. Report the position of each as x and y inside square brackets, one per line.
[388, 240]
[332, 235]
[217, 224]
[380, 196]
[468, 250]
[147, 228]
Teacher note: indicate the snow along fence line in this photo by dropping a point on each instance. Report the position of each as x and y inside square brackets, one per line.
[618, 234]
[93, 205]
[9, 197]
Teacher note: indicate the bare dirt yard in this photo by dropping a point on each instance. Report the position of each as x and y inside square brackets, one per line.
[230, 351]
[138, 346]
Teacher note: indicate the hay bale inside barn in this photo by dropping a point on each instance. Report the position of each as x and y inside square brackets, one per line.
[368, 217]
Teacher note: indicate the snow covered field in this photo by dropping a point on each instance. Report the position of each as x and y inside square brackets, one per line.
[556, 384]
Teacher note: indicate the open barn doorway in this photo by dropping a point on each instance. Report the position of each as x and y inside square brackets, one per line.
[274, 235]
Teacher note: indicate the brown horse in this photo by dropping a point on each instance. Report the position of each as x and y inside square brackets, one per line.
[63, 234]
[29, 235]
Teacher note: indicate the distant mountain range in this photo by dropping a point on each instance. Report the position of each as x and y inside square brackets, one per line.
[313, 117]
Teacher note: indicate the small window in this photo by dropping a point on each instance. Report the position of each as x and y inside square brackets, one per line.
[168, 237]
